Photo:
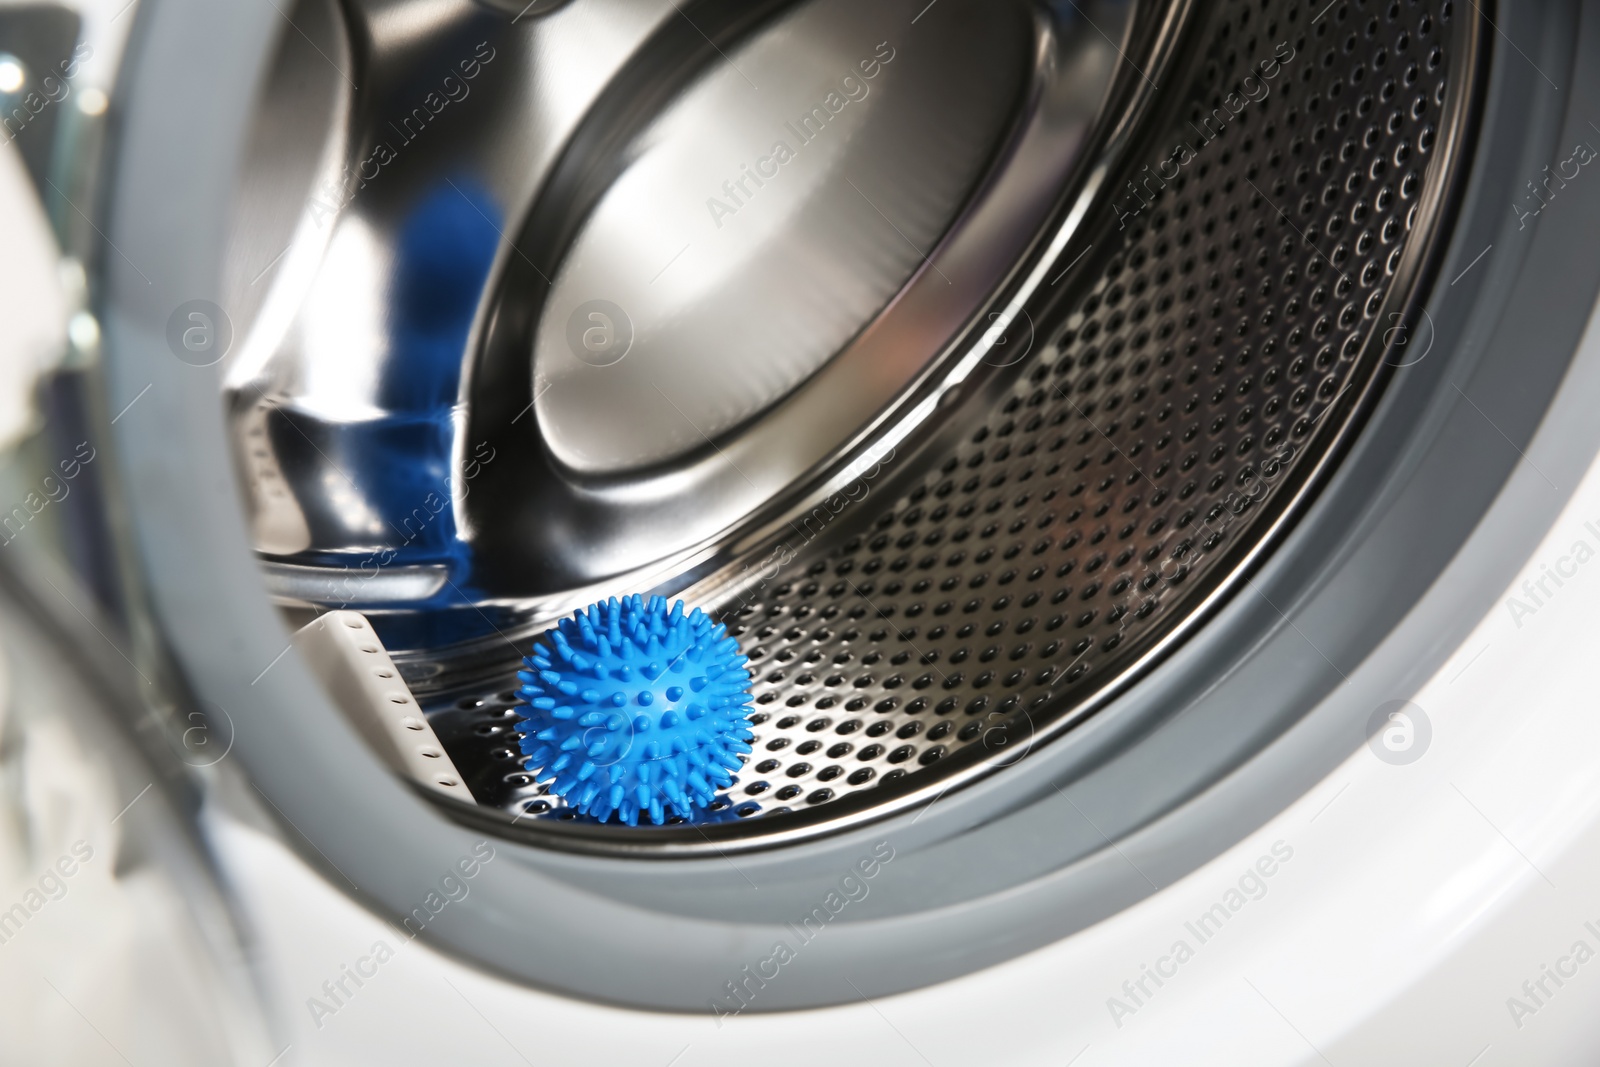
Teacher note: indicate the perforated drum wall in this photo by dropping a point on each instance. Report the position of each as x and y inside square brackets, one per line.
[1221, 310]
[1213, 334]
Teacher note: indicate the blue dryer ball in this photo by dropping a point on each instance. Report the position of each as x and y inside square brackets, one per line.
[635, 710]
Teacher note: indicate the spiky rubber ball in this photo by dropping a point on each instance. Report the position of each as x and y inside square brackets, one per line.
[635, 710]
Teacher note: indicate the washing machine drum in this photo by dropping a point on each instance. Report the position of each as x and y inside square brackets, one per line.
[1009, 379]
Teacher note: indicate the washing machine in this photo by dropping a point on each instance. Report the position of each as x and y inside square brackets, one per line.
[1138, 459]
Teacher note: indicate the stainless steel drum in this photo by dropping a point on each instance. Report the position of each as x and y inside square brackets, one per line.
[957, 372]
